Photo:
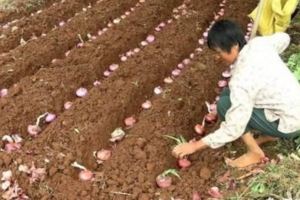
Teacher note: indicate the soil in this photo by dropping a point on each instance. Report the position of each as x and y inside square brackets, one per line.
[36, 86]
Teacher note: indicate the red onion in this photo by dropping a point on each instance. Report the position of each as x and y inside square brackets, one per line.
[184, 163]
[116, 21]
[100, 32]
[186, 61]
[200, 129]
[97, 83]
[226, 74]
[130, 121]
[123, 58]
[80, 44]
[158, 90]
[67, 53]
[103, 154]
[3, 92]
[180, 66]
[68, 105]
[144, 43]
[113, 67]
[62, 23]
[162, 24]
[33, 130]
[169, 21]
[109, 24]
[201, 41]
[10, 147]
[192, 56]
[127, 13]
[176, 72]
[150, 38]
[222, 83]
[129, 53]
[147, 104]
[132, 9]
[136, 50]
[50, 117]
[215, 192]
[157, 29]
[106, 73]
[168, 80]
[163, 181]
[211, 117]
[205, 34]
[86, 175]
[81, 92]
[196, 196]
[123, 16]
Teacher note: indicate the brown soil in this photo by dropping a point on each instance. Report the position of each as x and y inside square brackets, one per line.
[86, 127]
[39, 23]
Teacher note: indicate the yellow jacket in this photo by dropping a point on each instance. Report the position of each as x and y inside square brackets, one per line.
[276, 15]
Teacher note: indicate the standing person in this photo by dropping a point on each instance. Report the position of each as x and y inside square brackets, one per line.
[263, 94]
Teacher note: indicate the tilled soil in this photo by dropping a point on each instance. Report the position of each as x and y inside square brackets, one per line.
[86, 127]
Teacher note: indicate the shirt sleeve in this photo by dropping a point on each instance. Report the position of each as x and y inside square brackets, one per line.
[280, 41]
[236, 118]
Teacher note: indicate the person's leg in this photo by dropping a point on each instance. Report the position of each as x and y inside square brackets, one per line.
[254, 153]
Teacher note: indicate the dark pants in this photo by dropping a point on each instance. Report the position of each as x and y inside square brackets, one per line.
[258, 119]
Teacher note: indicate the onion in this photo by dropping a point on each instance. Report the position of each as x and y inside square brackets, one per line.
[147, 104]
[129, 53]
[33, 130]
[81, 92]
[86, 175]
[106, 73]
[222, 83]
[205, 34]
[215, 192]
[217, 98]
[6, 175]
[93, 37]
[10, 147]
[100, 32]
[117, 135]
[67, 53]
[150, 38]
[68, 105]
[50, 117]
[221, 4]
[136, 50]
[168, 80]
[184, 163]
[109, 24]
[201, 41]
[54, 61]
[158, 90]
[105, 29]
[3, 92]
[132, 9]
[163, 181]
[211, 117]
[103, 154]
[130, 121]
[200, 129]
[157, 29]
[226, 74]
[62, 23]
[199, 49]
[80, 44]
[186, 61]
[196, 196]
[116, 21]
[169, 21]
[176, 72]
[113, 67]
[127, 13]
[180, 66]
[142, 1]
[97, 83]
[162, 24]
[5, 185]
[144, 43]
[123, 58]
[123, 16]
[192, 56]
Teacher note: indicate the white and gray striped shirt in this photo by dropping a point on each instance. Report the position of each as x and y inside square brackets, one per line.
[260, 79]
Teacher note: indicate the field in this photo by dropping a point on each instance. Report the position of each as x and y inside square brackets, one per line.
[48, 54]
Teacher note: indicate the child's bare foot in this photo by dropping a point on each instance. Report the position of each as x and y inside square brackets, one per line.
[264, 139]
[246, 160]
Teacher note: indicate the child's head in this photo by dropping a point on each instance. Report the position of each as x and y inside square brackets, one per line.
[227, 38]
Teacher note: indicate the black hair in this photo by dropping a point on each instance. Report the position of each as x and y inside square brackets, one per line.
[225, 34]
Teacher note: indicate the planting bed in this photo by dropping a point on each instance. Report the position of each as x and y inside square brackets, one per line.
[39, 84]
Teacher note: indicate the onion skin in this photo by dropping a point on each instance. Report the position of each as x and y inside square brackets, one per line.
[163, 181]
[184, 163]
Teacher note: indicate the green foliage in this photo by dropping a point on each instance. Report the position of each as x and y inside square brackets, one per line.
[294, 64]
